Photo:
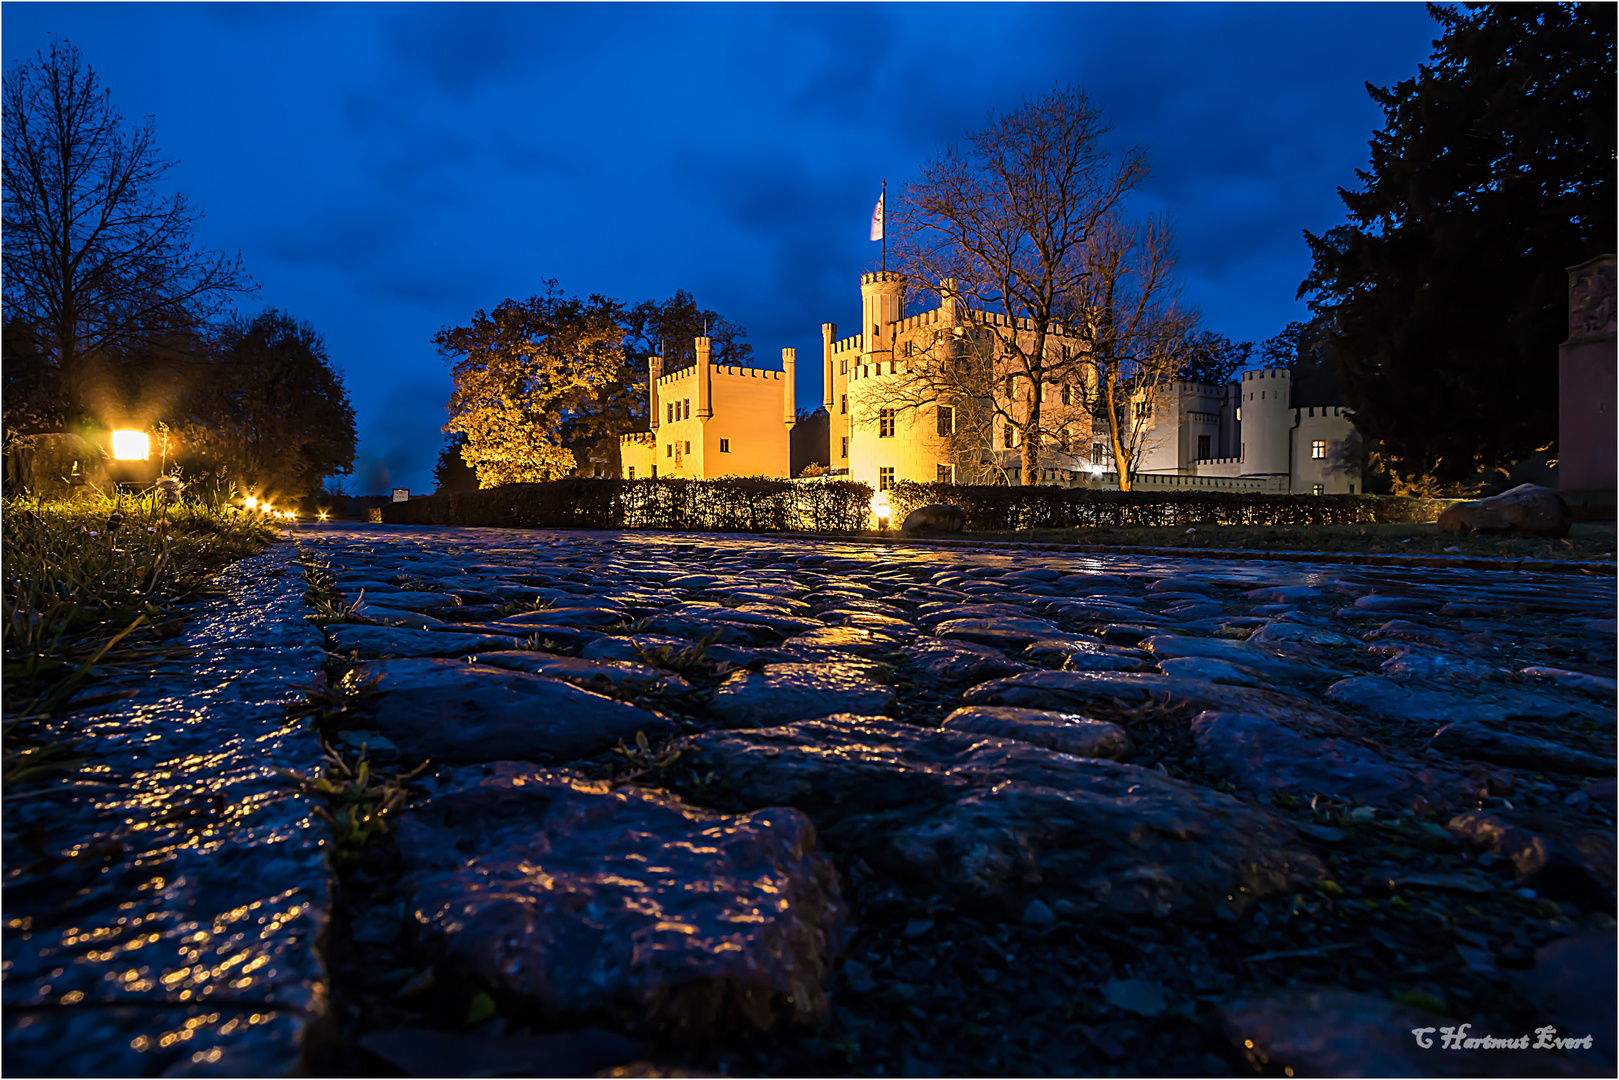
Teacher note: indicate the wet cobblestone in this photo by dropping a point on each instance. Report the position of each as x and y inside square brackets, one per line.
[163, 906]
[1389, 770]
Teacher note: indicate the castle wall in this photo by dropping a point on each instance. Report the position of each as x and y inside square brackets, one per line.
[1338, 471]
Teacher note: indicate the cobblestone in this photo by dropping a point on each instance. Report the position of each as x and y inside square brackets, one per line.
[1310, 757]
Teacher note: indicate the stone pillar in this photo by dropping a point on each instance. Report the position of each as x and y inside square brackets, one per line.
[789, 403]
[654, 372]
[1586, 473]
[705, 399]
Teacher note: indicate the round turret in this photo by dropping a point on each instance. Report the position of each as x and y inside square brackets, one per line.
[1267, 417]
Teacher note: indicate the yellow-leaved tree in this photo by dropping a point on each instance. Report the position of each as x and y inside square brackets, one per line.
[534, 378]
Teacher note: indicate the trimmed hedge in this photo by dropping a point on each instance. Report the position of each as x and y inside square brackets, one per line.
[1007, 509]
[730, 504]
[762, 504]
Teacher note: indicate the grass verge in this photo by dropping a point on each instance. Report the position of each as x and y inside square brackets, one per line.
[92, 587]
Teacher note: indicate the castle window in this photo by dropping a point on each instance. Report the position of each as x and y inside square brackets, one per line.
[631, 475]
[1067, 393]
[687, 409]
[845, 447]
[885, 424]
[1239, 414]
[843, 366]
[1009, 385]
[1098, 453]
[1318, 449]
[891, 367]
[885, 479]
[671, 412]
[1202, 447]
[1318, 489]
[725, 446]
[947, 420]
[1009, 436]
[875, 330]
[945, 474]
[910, 349]
[843, 406]
[669, 450]
[688, 446]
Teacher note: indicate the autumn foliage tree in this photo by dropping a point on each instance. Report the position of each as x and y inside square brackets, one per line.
[531, 378]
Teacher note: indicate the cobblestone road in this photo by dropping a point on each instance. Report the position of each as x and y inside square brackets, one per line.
[789, 806]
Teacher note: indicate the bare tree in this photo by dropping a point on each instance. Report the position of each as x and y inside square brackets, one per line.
[94, 258]
[1136, 336]
[1006, 219]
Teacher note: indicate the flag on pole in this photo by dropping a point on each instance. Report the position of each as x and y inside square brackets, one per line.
[877, 217]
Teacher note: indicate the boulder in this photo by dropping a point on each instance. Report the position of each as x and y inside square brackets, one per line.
[464, 713]
[620, 903]
[941, 517]
[989, 821]
[612, 676]
[1066, 733]
[1261, 755]
[1527, 508]
[783, 693]
[1104, 693]
[1003, 631]
[1391, 700]
[374, 641]
[959, 661]
[1550, 857]
[1326, 1031]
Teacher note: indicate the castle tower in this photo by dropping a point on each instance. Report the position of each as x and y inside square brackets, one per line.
[705, 389]
[789, 404]
[829, 331]
[1267, 420]
[880, 295]
[654, 372]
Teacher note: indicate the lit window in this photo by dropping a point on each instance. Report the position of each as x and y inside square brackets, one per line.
[946, 474]
[1318, 489]
[1239, 414]
[725, 446]
[947, 420]
[885, 479]
[1318, 448]
[845, 447]
[885, 423]
[843, 406]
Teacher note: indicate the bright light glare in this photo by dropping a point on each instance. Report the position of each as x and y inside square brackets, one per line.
[323, 515]
[250, 502]
[131, 445]
[880, 506]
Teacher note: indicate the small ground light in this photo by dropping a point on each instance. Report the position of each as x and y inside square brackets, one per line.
[128, 445]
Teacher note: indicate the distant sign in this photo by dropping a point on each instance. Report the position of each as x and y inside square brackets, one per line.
[401, 494]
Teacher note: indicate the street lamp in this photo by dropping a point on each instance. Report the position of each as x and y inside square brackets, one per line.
[130, 445]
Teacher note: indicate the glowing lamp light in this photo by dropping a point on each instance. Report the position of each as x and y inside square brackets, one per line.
[881, 507]
[250, 502]
[130, 445]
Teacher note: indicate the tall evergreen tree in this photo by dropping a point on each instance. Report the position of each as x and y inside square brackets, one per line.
[1446, 289]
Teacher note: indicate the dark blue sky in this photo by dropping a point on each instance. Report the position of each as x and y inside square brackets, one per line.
[386, 169]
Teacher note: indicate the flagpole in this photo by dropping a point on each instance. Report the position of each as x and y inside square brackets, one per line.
[885, 226]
